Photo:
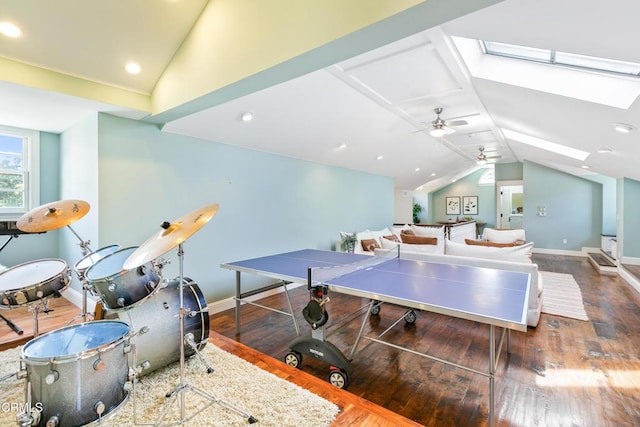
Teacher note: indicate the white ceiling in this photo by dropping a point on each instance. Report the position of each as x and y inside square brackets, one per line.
[376, 103]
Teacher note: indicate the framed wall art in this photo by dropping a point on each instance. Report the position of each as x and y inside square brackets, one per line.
[470, 205]
[452, 205]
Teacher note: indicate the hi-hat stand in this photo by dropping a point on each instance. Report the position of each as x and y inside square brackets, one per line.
[177, 394]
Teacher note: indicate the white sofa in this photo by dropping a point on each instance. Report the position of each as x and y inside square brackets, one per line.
[380, 239]
[515, 258]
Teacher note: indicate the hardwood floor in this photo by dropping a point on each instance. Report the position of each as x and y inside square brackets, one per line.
[564, 372]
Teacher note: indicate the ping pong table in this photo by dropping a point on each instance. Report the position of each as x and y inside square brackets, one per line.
[497, 298]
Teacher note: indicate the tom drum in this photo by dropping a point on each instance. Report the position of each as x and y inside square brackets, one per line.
[119, 288]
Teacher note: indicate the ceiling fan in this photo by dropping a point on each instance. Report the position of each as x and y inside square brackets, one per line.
[482, 158]
[440, 127]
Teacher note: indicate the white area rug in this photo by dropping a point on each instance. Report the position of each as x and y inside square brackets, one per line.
[561, 296]
[271, 400]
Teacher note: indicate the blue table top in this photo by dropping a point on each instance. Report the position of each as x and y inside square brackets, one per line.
[497, 297]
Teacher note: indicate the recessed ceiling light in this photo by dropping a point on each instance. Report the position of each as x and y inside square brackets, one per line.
[585, 167]
[246, 116]
[433, 174]
[417, 169]
[379, 157]
[10, 30]
[342, 146]
[133, 68]
[604, 150]
[623, 127]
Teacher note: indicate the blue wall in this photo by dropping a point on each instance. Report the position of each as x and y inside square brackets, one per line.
[574, 209]
[467, 186]
[268, 203]
[630, 190]
[32, 247]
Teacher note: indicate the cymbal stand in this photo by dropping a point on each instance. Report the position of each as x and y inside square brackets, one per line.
[178, 392]
[86, 250]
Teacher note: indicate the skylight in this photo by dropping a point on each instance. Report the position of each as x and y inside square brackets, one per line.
[561, 58]
[545, 145]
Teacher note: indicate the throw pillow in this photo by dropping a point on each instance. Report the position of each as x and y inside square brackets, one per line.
[492, 244]
[391, 237]
[369, 245]
[418, 240]
[520, 253]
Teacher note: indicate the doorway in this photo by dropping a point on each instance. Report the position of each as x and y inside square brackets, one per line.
[510, 206]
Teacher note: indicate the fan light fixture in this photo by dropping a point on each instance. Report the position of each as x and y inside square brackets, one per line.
[437, 132]
[623, 127]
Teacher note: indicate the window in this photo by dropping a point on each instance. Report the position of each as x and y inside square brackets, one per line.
[561, 58]
[19, 166]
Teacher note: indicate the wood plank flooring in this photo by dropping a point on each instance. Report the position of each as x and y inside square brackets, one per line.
[565, 372]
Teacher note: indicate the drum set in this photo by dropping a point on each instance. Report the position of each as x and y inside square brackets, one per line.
[82, 373]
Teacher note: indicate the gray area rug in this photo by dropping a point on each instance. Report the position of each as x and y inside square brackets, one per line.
[271, 400]
[561, 296]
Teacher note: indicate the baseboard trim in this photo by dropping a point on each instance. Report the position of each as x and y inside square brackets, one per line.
[559, 252]
[228, 303]
[629, 278]
[630, 260]
[75, 297]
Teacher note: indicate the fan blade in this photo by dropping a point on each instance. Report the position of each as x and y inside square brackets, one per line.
[456, 122]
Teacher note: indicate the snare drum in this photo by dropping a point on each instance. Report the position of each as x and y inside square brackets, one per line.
[33, 281]
[78, 373]
[119, 288]
[87, 261]
[156, 325]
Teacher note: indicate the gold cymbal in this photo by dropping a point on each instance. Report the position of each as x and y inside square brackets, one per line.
[52, 215]
[171, 235]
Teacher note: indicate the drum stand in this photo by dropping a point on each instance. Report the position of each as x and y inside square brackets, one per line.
[86, 250]
[42, 305]
[178, 392]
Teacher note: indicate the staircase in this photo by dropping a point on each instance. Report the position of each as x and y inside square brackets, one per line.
[603, 262]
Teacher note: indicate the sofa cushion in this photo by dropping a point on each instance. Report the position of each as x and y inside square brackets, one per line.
[391, 237]
[485, 243]
[520, 253]
[418, 240]
[388, 245]
[429, 231]
[503, 236]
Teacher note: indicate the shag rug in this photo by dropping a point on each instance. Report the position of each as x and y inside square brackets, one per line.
[561, 296]
[269, 399]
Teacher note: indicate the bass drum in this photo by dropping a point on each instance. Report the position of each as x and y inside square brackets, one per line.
[78, 373]
[156, 324]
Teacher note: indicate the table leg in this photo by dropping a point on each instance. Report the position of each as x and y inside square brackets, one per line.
[492, 371]
[238, 292]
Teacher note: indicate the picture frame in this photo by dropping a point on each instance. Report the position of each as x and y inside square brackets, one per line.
[470, 205]
[452, 205]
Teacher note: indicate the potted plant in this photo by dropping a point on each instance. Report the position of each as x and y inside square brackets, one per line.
[348, 241]
[417, 208]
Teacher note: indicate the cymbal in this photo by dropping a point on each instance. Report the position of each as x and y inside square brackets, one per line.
[52, 215]
[171, 235]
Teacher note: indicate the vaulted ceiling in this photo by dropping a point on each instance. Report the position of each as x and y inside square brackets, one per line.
[371, 112]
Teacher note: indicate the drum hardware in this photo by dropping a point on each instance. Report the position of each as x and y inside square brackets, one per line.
[189, 340]
[12, 325]
[172, 235]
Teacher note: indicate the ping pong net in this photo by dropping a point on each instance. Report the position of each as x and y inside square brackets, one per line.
[321, 276]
